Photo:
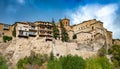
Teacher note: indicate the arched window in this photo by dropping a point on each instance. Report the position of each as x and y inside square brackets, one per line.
[66, 23]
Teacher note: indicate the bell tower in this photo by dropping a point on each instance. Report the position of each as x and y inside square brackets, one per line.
[66, 22]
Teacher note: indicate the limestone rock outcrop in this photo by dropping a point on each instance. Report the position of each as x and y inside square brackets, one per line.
[21, 47]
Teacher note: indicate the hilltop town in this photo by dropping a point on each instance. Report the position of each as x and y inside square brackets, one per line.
[85, 39]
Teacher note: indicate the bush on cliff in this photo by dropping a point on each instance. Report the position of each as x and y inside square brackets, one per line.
[102, 52]
[115, 52]
[76, 62]
[68, 62]
[3, 64]
[32, 61]
[7, 38]
[14, 31]
[98, 63]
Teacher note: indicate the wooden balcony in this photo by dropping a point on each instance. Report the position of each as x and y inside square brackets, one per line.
[22, 35]
[33, 30]
[32, 35]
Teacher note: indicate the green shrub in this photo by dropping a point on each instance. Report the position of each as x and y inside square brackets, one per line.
[98, 63]
[22, 63]
[14, 31]
[54, 64]
[102, 52]
[64, 33]
[68, 62]
[73, 62]
[32, 61]
[51, 56]
[7, 38]
[115, 52]
[3, 64]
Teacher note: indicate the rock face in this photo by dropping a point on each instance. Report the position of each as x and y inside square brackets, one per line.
[21, 47]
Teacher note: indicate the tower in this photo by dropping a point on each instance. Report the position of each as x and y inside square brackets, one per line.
[66, 22]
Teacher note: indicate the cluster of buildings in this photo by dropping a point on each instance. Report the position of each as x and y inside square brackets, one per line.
[86, 30]
[28, 29]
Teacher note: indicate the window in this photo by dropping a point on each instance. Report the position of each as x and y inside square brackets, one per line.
[92, 27]
[20, 28]
[6, 26]
[26, 33]
[2, 33]
[21, 32]
[33, 27]
[66, 23]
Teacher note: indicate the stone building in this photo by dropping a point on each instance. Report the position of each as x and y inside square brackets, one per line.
[5, 29]
[36, 29]
[87, 30]
[45, 29]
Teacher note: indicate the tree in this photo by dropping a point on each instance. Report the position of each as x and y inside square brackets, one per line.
[14, 31]
[55, 31]
[64, 34]
[115, 52]
[51, 56]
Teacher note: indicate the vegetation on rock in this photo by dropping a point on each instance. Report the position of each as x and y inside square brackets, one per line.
[76, 62]
[7, 38]
[55, 31]
[102, 52]
[68, 62]
[14, 31]
[33, 61]
[51, 56]
[3, 64]
[98, 63]
[115, 52]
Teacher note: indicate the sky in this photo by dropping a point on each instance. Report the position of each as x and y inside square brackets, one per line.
[107, 11]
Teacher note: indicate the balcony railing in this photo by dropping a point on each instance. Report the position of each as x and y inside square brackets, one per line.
[33, 30]
[23, 35]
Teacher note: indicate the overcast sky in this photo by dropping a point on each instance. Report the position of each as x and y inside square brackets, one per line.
[107, 11]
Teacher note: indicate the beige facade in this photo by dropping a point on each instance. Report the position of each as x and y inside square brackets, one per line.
[22, 29]
[36, 29]
[45, 29]
[87, 30]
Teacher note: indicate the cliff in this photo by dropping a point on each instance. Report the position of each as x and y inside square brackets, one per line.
[21, 47]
